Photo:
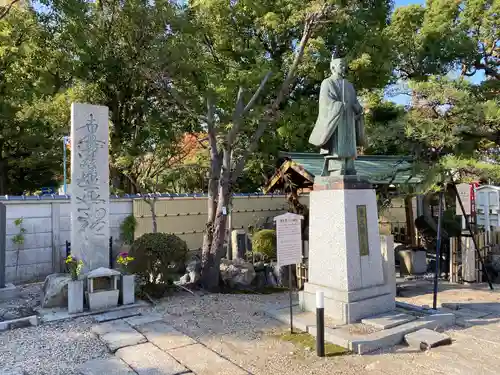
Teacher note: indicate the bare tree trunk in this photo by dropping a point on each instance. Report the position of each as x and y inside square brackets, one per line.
[410, 221]
[152, 206]
[222, 175]
[210, 264]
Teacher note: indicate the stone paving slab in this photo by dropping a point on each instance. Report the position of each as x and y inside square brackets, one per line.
[143, 319]
[204, 361]
[147, 359]
[13, 372]
[108, 366]
[118, 334]
[115, 315]
[426, 339]
[164, 336]
[388, 320]
[56, 314]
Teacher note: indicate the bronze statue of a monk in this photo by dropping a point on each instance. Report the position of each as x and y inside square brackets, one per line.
[340, 124]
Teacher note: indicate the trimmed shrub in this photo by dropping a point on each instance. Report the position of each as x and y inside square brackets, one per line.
[158, 256]
[264, 242]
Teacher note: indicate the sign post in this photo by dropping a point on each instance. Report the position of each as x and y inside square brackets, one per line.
[289, 247]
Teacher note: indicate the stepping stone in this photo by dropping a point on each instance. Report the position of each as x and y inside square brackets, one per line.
[118, 334]
[388, 320]
[424, 339]
[202, 360]
[147, 359]
[108, 366]
[115, 315]
[143, 319]
[164, 336]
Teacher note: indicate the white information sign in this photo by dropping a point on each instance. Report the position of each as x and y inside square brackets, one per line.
[289, 239]
[464, 191]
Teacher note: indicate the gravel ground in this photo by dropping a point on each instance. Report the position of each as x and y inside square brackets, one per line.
[29, 298]
[232, 325]
[51, 349]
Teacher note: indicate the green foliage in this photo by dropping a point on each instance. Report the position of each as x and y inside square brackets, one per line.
[264, 242]
[157, 257]
[18, 238]
[443, 35]
[449, 129]
[30, 145]
[127, 229]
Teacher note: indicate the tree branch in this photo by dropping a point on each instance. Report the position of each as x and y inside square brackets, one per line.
[6, 9]
[211, 132]
[271, 111]
[257, 93]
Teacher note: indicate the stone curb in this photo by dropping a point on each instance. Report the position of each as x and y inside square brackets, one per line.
[31, 320]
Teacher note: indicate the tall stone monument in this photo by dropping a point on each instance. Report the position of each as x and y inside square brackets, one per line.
[345, 256]
[90, 185]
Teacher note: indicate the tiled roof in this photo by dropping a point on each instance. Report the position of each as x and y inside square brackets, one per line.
[378, 169]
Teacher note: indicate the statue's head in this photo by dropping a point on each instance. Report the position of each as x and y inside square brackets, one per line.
[338, 66]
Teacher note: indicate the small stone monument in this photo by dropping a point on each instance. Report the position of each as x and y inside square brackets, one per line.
[345, 257]
[90, 185]
[102, 288]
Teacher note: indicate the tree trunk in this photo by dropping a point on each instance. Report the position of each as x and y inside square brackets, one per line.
[210, 265]
[152, 206]
[410, 221]
[222, 175]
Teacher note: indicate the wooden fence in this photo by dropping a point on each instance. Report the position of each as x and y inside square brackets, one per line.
[465, 265]
[186, 216]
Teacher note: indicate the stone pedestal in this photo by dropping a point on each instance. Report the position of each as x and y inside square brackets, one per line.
[127, 289]
[75, 296]
[345, 257]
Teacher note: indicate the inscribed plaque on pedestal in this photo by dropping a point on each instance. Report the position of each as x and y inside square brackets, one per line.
[362, 230]
[90, 185]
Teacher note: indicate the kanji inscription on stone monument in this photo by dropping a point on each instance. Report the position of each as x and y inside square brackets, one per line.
[90, 185]
[362, 230]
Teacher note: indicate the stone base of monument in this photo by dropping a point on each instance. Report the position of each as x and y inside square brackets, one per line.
[9, 292]
[378, 332]
[349, 307]
[346, 259]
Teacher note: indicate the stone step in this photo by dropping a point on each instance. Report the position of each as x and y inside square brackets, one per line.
[425, 339]
[108, 366]
[388, 320]
[115, 315]
[117, 334]
[164, 336]
[203, 361]
[147, 359]
[143, 319]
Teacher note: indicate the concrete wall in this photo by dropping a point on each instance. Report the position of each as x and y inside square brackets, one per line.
[47, 224]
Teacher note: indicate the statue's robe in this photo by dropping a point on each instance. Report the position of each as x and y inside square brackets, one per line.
[340, 124]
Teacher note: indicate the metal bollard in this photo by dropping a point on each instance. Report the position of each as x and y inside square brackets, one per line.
[320, 324]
